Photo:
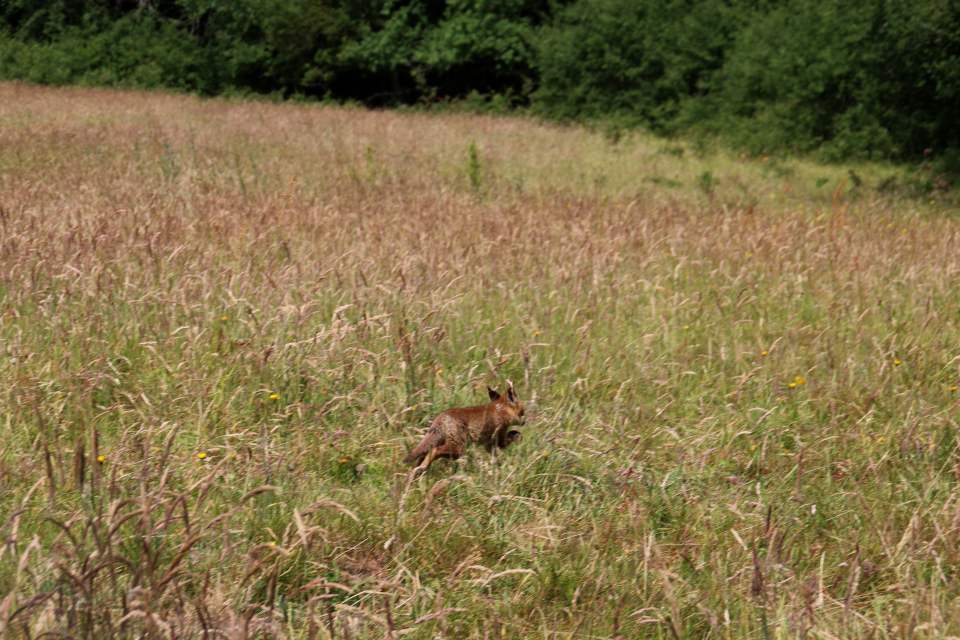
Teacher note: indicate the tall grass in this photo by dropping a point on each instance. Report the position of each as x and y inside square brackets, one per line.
[224, 324]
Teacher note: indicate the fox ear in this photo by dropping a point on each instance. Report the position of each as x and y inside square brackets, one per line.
[512, 396]
[493, 394]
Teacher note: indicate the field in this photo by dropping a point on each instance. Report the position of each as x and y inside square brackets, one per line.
[224, 324]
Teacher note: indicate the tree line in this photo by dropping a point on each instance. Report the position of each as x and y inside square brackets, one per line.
[840, 78]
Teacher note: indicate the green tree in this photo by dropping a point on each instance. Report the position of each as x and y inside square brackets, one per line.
[872, 79]
[633, 59]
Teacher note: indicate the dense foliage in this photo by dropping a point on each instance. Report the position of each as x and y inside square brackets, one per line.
[873, 79]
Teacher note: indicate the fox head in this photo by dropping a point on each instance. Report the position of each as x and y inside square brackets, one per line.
[510, 406]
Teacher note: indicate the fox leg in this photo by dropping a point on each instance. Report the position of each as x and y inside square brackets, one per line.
[445, 450]
[419, 470]
[503, 439]
[449, 450]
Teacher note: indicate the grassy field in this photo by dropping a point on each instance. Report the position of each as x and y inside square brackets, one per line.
[224, 324]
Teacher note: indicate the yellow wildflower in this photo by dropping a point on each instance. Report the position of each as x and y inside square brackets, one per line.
[274, 396]
[101, 459]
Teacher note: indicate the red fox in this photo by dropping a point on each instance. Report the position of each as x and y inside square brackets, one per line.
[487, 424]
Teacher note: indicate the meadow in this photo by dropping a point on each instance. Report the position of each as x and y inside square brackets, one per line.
[225, 323]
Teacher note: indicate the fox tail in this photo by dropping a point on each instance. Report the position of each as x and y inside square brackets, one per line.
[431, 440]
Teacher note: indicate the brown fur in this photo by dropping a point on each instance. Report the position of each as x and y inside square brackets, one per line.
[486, 424]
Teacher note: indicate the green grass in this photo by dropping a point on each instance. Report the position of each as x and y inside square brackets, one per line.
[251, 312]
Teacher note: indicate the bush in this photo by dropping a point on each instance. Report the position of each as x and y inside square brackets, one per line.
[135, 50]
[847, 79]
[633, 60]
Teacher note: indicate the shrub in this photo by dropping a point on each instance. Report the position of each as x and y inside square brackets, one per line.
[633, 60]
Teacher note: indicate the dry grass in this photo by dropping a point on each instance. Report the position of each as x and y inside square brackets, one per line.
[225, 323]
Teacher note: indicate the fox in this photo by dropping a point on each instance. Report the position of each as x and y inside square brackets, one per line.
[487, 424]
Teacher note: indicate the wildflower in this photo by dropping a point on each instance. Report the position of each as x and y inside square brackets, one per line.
[800, 380]
[686, 326]
[753, 447]
[793, 384]
[933, 202]
[881, 439]
[101, 459]
[201, 455]
[545, 454]
[274, 396]
[439, 371]
[896, 362]
[272, 544]
[343, 460]
[536, 333]
[750, 255]
[223, 318]
[763, 353]
[233, 456]
[953, 388]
